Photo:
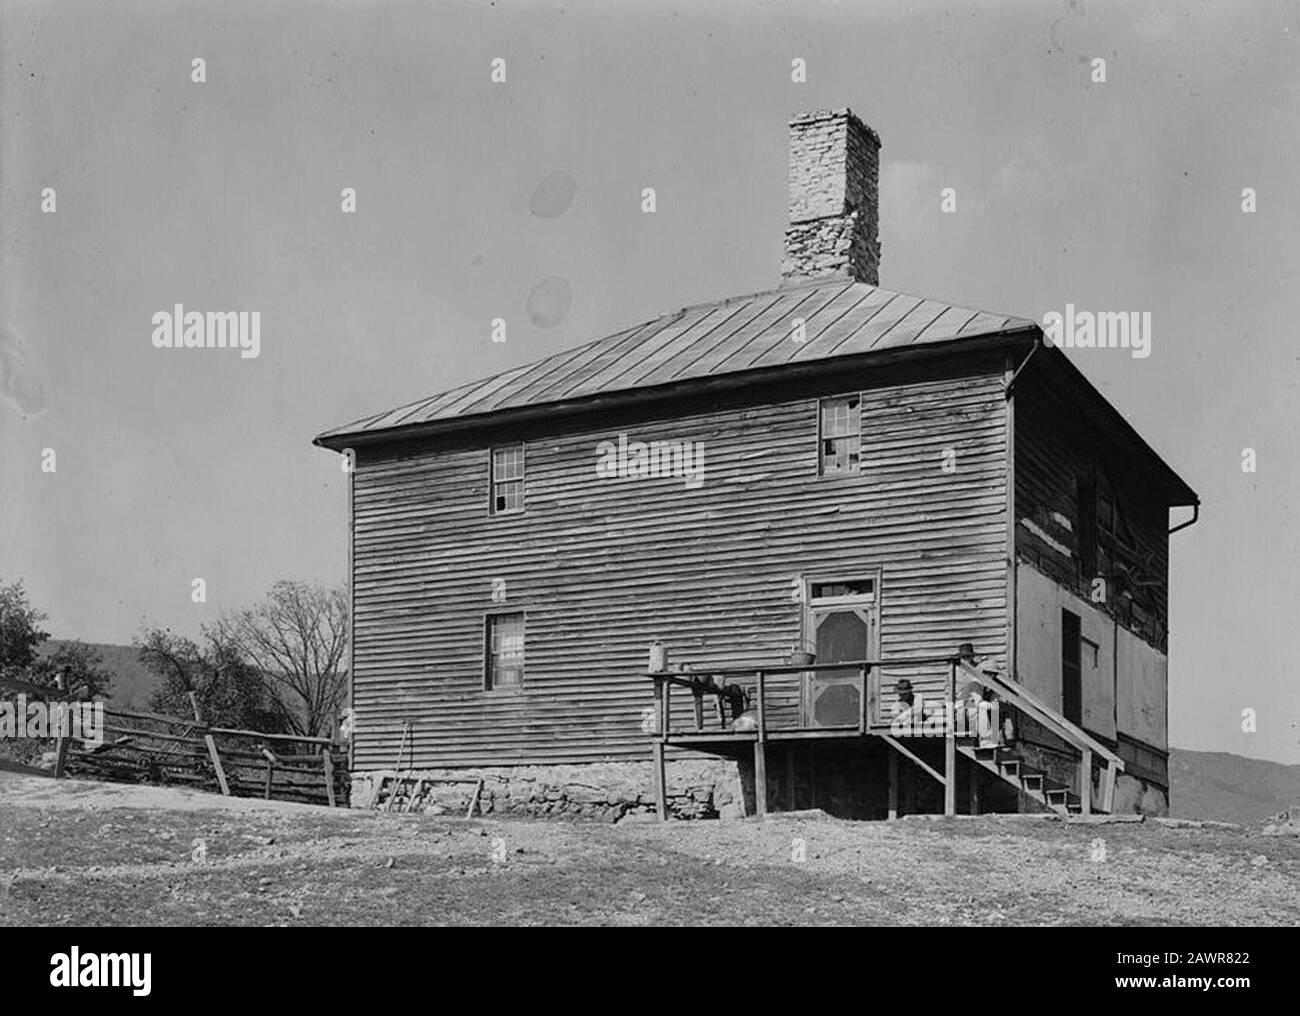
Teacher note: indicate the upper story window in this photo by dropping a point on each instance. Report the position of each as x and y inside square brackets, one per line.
[1098, 518]
[1107, 529]
[1085, 495]
[841, 435]
[507, 479]
[503, 666]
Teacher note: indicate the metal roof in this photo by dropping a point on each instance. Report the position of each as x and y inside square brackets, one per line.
[841, 318]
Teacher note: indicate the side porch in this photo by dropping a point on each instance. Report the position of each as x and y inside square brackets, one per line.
[912, 756]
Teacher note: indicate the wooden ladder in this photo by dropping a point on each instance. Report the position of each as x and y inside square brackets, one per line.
[405, 792]
[402, 792]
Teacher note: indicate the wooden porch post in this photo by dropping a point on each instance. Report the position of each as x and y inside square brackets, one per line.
[863, 702]
[893, 783]
[760, 778]
[661, 788]
[950, 745]
[1085, 781]
[760, 755]
[660, 782]
[1108, 793]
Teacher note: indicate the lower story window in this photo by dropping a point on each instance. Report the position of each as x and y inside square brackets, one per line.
[504, 666]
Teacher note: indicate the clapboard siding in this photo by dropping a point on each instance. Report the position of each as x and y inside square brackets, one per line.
[603, 567]
[1056, 447]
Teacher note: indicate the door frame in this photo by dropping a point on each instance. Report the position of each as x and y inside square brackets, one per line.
[867, 606]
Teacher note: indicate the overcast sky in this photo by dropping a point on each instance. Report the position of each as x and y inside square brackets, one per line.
[1123, 195]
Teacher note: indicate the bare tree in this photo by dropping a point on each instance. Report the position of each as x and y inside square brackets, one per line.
[297, 638]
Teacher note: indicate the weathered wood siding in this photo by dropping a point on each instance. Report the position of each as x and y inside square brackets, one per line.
[602, 567]
[1054, 450]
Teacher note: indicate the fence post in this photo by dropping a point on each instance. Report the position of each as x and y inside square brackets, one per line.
[212, 746]
[62, 741]
[329, 774]
[270, 767]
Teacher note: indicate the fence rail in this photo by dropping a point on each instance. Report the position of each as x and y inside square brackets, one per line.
[145, 747]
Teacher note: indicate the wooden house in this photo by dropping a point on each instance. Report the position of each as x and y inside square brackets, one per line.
[828, 467]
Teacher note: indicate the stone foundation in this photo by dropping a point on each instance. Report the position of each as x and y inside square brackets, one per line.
[603, 791]
[845, 779]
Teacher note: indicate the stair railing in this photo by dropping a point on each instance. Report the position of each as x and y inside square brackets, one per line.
[1072, 734]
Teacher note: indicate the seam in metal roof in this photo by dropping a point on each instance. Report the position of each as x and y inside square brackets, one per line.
[724, 337]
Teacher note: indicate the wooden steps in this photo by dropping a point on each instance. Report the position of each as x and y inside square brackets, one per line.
[1005, 764]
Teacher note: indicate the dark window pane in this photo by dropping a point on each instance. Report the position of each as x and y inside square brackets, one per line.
[1071, 669]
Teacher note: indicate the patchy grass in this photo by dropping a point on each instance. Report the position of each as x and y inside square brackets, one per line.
[79, 853]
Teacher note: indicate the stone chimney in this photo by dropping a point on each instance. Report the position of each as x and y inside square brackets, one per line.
[834, 175]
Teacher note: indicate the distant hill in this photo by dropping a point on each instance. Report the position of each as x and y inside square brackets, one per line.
[132, 684]
[1229, 788]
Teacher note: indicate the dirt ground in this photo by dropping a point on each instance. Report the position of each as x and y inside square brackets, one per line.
[82, 853]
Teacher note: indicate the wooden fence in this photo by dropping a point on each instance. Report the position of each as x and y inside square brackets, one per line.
[142, 747]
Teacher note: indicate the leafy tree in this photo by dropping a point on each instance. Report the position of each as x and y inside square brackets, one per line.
[230, 692]
[20, 631]
[81, 666]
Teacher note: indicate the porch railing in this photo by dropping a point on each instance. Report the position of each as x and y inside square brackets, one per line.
[1084, 743]
[714, 682]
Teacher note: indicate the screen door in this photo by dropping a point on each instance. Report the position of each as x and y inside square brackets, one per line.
[842, 622]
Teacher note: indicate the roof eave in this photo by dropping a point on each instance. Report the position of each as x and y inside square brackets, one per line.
[340, 440]
[1180, 494]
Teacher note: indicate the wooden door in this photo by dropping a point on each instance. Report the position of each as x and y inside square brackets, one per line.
[846, 629]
